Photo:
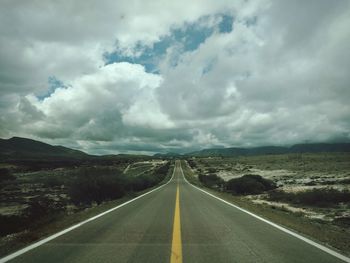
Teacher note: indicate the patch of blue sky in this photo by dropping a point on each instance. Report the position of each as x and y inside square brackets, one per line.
[190, 37]
[53, 84]
[226, 24]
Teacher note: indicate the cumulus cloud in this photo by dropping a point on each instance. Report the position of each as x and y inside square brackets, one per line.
[274, 80]
[244, 74]
[103, 105]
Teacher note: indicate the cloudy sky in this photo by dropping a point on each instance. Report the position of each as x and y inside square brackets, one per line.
[156, 76]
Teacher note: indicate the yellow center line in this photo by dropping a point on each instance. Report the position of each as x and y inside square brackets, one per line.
[176, 247]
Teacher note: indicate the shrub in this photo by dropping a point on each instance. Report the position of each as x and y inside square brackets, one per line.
[342, 221]
[40, 208]
[191, 163]
[144, 181]
[315, 197]
[162, 172]
[211, 180]
[97, 185]
[249, 184]
[345, 181]
[39, 211]
[102, 184]
[53, 181]
[11, 224]
[6, 175]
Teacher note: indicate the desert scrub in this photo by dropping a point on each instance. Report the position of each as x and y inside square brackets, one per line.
[211, 180]
[99, 184]
[316, 197]
[6, 175]
[249, 184]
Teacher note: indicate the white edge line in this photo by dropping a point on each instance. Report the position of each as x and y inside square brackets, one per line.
[313, 243]
[47, 239]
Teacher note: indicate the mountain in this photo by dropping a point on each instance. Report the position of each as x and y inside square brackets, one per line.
[18, 148]
[321, 147]
[22, 148]
[166, 155]
[298, 148]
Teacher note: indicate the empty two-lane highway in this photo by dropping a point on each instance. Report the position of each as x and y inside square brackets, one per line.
[176, 223]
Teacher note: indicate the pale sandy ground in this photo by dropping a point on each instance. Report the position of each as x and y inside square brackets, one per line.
[290, 181]
[152, 162]
[148, 166]
[12, 210]
[288, 207]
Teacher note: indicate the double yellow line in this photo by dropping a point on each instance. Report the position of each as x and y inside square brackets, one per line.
[176, 247]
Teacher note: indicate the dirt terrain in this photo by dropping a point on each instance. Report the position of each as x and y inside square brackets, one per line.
[292, 173]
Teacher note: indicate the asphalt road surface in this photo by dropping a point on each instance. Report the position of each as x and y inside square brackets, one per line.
[176, 223]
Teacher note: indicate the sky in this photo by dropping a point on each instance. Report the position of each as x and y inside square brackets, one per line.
[133, 76]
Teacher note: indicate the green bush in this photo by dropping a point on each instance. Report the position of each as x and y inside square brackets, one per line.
[11, 224]
[102, 184]
[315, 197]
[53, 181]
[40, 210]
[191, 163]
[249, 184]
[342, 221]
[6, 175]
[142, 182]
[145, 181]
[212, 170]
[211, 180]
[162, 171]
[97, 185]
[42, 207]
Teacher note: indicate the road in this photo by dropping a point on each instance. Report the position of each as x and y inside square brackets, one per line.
[176, 223]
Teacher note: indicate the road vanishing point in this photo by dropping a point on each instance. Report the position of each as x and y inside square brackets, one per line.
[176, 222]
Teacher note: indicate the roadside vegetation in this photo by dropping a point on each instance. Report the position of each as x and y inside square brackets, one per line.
[33, 199]
[309, 193]
[316, 197]
[6, 176]
[249, 184]
[211, 181]
[244, 185]
[97, 185]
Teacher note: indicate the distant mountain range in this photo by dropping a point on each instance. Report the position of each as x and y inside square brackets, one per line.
[22, 148]
[297, 148]
[18, 148]
[168, 154]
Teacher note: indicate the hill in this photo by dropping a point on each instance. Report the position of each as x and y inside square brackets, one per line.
[167, 155]
[22, 148]
[18, 148]
[298, 148]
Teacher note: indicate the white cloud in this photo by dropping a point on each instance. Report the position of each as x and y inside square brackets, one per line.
[280, 77]
[103, 104]
[283, 73]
